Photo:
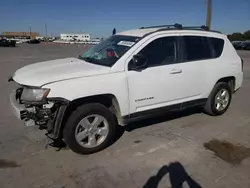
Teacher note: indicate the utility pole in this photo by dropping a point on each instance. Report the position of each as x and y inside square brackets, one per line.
[209, 13]
[30, 32]
[46, 31]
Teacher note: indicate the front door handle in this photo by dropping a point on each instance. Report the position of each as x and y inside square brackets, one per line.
[176, 71]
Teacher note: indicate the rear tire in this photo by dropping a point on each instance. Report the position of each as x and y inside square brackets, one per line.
[219, 99]
[90, 128]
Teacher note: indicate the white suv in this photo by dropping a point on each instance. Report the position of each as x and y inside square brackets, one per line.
[131, 75]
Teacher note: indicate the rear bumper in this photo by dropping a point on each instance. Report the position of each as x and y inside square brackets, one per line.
[238, 81]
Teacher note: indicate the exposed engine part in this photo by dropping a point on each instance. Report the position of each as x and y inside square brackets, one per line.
[47, 115]
[29, 123]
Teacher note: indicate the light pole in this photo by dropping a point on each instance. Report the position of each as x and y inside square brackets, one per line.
[30, 32]
[209, 13]
[46, 31]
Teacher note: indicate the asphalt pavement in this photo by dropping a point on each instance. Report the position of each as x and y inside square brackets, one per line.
[160, 152]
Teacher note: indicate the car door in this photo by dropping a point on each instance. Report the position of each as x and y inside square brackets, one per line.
[166, 81]
[198, 55]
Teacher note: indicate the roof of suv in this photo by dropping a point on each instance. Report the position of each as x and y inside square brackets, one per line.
[143, 31]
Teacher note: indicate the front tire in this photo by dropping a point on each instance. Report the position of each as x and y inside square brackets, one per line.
[219, 99]
[90, 128]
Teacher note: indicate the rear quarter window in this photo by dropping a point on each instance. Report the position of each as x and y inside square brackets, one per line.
[218, 45]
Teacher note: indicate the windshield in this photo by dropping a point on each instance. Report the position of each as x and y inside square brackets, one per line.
[109, 51]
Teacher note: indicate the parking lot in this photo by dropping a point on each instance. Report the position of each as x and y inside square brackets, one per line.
[157, 152]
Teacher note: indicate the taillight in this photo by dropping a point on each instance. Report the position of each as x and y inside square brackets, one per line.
[242, 64]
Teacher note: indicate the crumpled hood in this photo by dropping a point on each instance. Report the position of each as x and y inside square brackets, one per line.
[39, 74]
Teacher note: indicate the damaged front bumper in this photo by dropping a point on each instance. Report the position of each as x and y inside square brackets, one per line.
[17, 108]
[48, 115]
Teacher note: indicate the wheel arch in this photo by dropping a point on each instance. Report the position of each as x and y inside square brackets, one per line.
[230, 80]
[108, 100]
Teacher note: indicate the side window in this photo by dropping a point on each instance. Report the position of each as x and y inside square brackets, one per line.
[160, 51]
[197, 48]
[218, 45]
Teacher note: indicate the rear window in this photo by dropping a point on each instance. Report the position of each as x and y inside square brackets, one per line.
[218, 45]
[197, 48]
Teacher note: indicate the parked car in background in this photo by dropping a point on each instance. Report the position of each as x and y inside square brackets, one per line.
[238, 45]
[241, 45]
[51, 39]
[34, 41]
[247, 47]
[7, 43]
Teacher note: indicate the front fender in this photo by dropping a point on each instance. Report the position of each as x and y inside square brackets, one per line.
[115, 84]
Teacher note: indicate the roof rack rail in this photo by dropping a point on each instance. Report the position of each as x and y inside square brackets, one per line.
[203, 27]
[177, 26]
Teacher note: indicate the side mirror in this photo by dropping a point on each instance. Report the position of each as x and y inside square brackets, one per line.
[139, 62]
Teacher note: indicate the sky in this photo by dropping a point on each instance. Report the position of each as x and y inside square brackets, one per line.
[99, 17]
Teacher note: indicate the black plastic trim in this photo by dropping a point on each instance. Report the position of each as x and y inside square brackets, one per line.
[174, 29]
[59, 100]
[10, 79]
[58, 122]
[159, 111]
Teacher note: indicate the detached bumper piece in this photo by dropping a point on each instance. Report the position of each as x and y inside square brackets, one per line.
[54, 129]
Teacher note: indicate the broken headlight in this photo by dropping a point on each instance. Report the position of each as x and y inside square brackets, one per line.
[34, 94]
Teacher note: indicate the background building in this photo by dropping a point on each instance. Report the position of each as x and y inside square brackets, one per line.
[23, 35]
[75, 37]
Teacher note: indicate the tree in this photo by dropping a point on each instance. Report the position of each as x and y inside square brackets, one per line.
[235, 36]
[239, 36]
[246, 35]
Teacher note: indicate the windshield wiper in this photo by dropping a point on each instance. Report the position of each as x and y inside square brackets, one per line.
[88, 59]
[92, 60]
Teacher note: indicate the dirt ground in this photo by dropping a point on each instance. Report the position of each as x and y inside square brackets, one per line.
[162, 152]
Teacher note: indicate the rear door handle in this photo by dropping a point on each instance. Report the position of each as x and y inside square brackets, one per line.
[176, 71]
